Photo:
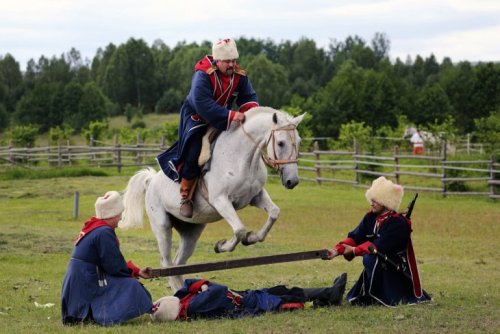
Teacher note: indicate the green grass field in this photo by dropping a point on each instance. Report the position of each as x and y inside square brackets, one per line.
[454, 238]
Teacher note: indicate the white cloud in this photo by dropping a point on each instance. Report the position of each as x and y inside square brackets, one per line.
[460, 29]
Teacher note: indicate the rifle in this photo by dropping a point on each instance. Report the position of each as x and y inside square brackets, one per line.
[410, 206]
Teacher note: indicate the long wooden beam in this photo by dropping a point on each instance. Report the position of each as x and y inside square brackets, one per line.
[238, 263]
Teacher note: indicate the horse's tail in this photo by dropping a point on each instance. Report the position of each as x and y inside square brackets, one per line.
[133, 198]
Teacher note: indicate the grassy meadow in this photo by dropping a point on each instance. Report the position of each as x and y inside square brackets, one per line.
[454, 239]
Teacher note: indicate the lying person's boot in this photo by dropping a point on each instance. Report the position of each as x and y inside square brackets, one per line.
[338, 289]
[329, 296]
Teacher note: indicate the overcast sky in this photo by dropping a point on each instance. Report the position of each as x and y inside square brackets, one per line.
[459, 29]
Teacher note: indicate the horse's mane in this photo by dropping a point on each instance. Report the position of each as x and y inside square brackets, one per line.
[254, 112]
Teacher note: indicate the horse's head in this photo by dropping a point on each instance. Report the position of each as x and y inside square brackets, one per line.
[409, 131]
[283, 147]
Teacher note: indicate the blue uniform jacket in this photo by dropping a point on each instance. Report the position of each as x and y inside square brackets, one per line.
[99, 283]
[218, 301]
[379, 282]
[208, 103]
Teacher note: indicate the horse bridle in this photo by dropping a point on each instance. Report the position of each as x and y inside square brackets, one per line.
[274, 162]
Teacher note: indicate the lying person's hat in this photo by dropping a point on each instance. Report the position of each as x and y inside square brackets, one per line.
[386, 193]
[108, 206]
[167, 309]
[225, 49]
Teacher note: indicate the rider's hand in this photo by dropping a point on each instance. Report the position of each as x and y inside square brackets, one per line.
[239, 117]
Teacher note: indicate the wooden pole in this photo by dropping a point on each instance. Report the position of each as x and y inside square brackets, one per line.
[76, 204]
[238, 263]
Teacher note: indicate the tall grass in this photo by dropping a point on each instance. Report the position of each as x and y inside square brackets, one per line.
[455, 241]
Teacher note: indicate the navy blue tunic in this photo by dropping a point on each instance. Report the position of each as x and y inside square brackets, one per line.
[379, 282]
[98, 284]
[208, 103]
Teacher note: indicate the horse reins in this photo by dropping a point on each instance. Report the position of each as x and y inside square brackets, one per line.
[274, 162]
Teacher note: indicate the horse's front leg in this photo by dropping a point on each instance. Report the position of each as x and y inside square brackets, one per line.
[227, 211]
[263, 201]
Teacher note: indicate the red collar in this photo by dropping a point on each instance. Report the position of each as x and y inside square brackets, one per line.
[89, 226]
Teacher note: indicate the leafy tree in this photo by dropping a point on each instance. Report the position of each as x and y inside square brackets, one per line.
[170, 102]
[338, 102]
[269, 81]
[354, 131]
[11, 82]
[34, 106]
[100, 63]
[97, 130]
[93, 105]
[181, 67]
[60, 133]
[72, 96]
[379, 100]
[486, 90]
[4, 118]
[458, 83]
[162, 55]
[129, 77]
[24, 135]
[431, 106]
[488, 130]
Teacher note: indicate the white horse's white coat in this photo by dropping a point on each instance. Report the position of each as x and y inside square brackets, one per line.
[236, 179]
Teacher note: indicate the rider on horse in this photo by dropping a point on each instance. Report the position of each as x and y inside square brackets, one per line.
[217, 82]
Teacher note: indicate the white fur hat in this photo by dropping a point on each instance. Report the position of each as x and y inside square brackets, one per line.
[385, 192]
[168, 309]
[225, 49]
[109, 205]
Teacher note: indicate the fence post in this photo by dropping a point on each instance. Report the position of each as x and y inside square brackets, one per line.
[356, 164]
[48, 153]
[59, 153]
[396, 163]
[76, 204]
[138, 145]
[162, 145]
[493, 178]
[68, 147]
[317, 164]
[443, 166]
[92, 154]
[118, 154]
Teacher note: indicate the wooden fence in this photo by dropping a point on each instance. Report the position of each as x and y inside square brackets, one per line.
[435, 173]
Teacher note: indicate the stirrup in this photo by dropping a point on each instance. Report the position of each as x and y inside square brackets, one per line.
[186, 209]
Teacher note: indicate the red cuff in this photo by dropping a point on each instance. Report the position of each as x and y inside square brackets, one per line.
[196, 286]
[340, 247]
[363, 248]
[135, 269]
[247, 106]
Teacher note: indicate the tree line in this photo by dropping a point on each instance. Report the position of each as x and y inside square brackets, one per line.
[350, 81]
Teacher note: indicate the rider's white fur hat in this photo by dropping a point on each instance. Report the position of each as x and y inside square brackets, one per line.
[385, 192]
[168, 309]
[108, 206]
[225, 49]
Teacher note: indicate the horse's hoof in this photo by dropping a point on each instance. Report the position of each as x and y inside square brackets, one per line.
[245, 241]
[218, 245]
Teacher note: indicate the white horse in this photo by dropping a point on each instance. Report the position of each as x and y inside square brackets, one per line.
[236, 179]
[430, 140]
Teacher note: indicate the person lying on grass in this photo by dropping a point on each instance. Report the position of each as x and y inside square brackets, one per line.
[200, 298]
[388, 281]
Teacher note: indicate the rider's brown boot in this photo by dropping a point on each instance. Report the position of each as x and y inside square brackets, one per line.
[186, 188]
